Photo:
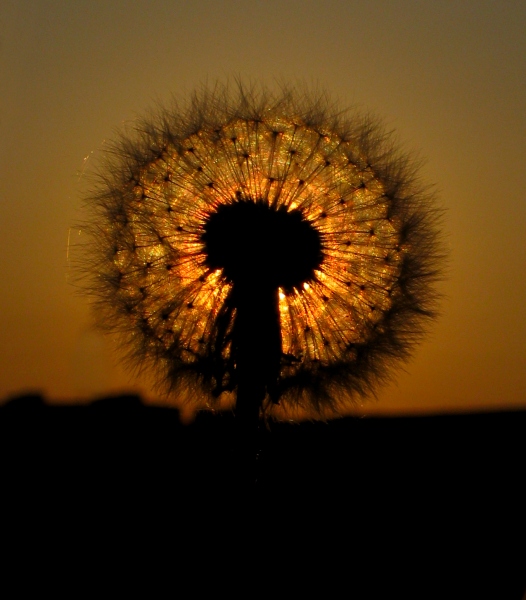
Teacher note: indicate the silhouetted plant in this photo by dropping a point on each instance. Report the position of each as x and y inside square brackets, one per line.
[263, 249]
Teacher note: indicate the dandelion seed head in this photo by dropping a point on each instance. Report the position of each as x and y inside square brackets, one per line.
[279, 193]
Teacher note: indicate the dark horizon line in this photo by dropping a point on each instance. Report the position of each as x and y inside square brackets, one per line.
[132, 400]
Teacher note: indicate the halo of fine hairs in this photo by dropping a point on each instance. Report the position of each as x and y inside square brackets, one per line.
[144, 263]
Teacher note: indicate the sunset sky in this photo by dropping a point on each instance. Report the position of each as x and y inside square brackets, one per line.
[448, 76]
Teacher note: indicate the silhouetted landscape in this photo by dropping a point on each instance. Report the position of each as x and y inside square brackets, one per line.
[435, 501]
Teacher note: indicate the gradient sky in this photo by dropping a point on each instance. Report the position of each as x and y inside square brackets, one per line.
[448, 76]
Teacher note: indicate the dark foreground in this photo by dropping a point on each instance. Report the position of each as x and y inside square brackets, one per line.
[356, 508]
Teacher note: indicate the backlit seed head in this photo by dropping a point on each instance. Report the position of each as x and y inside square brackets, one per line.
[245, 189]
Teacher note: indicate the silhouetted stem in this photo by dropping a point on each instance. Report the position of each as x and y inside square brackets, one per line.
[257, 347]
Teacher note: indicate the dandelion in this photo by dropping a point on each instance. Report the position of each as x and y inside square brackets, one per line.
[264, 249]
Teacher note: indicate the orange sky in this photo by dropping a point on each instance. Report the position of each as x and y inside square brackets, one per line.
[449, 77]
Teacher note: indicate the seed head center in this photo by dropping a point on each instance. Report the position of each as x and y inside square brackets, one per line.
[254, 243]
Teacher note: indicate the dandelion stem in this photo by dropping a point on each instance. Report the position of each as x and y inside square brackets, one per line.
[257, 349]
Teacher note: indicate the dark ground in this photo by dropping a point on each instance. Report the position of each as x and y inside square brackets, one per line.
[359, 508]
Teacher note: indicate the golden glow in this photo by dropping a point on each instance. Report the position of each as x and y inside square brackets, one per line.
[286, 166]
[179, 312]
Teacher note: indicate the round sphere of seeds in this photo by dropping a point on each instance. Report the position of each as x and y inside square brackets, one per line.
[248, 189]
